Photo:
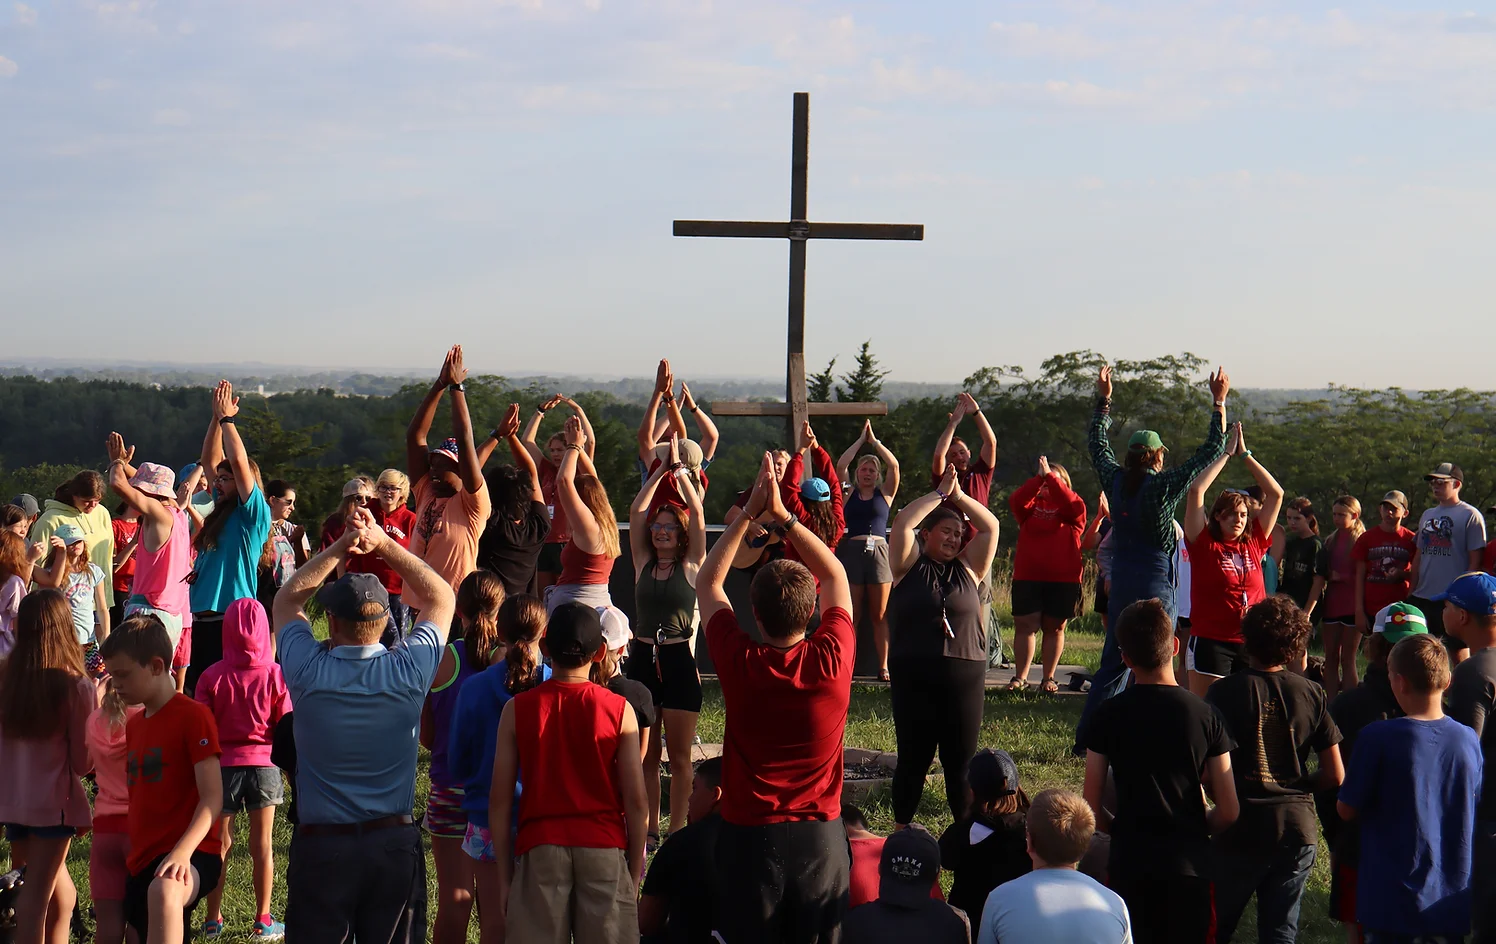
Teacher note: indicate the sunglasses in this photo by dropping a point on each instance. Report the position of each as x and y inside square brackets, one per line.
[361, 499]
[657, 526]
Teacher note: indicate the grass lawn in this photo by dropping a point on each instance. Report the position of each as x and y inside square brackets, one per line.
[1036, 729]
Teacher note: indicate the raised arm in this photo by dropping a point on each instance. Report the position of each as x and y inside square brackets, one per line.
[154, 514]
[711, 598]
[212, 453]
[844, 462]
[589, 443]
[696, 546]
[1272, 492]
[646, 435]
[186, 489]
[890, 486]
[1103, 460]
[225, 408]
[290, 600]
[468, 465]
[417, 458]
[501, 798]
[639, 538]
[585, 531]
[709, 436]
[813, 553]
[1092, 537]
[532, 427]
[943, 441]
[508, 430]
[1174, 481]
[984, 431]
[1194, 500]
[983, 545]
[903, 542]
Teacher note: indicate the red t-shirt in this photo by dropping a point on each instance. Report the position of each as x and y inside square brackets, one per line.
[789, 493]
[161, 751]
[567, 738]
[786, 713]
[560, 533]
[668, 491]
[867, 854]
[1388, 559]
[1225, 579]
[124, 532]
[1488, 559]
[1049, 531]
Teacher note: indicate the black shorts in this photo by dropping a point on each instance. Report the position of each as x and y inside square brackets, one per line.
[1182, 629]
[138, 891]
[1212, 657]
[1049, 598]
[674, 681]
[1101, 599]
[1347, 620]
[549, 561]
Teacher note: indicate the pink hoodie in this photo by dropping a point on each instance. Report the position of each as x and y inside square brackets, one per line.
[246, 691]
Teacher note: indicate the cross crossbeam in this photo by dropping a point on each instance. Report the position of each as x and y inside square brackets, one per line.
[798, 230]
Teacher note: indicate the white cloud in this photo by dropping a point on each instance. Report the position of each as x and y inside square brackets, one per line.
[8, 68]
[25, 16]
[171, 118]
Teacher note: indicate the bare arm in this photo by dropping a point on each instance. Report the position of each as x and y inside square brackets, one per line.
[903, 542]
[1223, 791]
[631, 792]
[154, 516]
[1316, 590]
[589, 442]
[226, 406]
[1361, 622]
[943, 441]
[524, 460]
[890, 464]
[299, 587]
[696, 546]
[1272, 492]
[101, 609]
[664, 380]
[186, 489]
[983, 546]
[532, 427]
[1095, 789]
[468, 465]
[639, 539]
[1194, 497]
[54, 575]
[177, 865]
[417, 454]
[711, 598]
[984, 430]
[813, 553]
[501, 799]
[1331, 769]
[212, 453]
[586, 533]
[844, 461]
[709, 436]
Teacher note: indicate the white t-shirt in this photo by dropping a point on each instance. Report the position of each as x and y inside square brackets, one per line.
[1054, 906]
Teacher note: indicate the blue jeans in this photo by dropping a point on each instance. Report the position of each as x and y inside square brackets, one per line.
[1139, 572]
[1276, 877]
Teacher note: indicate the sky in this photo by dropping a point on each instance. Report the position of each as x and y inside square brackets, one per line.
[1303, 193]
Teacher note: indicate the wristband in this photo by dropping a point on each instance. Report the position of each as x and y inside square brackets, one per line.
[574, 446]
[540, 410]
[456, 388]
[943, 495]
[1220, 404]
[225, 420]
[1245, 453]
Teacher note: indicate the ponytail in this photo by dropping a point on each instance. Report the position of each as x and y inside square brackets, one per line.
[521, 622]
[478, 600]
[603, 672]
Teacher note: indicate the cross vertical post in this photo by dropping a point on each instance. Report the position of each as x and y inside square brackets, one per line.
[794, 393]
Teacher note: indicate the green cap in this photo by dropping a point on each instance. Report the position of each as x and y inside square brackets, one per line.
[1399, 621]
[1146, 439]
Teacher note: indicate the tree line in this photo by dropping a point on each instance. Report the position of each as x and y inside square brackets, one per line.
[1345, 440]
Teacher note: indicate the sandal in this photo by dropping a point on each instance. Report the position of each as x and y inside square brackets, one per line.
[1018, 684]
[882, 675]
[1049, 686]
[652, 843]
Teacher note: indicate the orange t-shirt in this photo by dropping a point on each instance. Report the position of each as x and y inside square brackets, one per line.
[160, 753]
[446, 534]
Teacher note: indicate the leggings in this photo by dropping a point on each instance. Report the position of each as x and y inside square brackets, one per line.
[937, 704]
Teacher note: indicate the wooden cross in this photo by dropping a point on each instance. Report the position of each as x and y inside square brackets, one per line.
[798, 231]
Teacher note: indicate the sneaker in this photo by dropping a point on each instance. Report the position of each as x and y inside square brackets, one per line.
[211, 929]
[274, 931]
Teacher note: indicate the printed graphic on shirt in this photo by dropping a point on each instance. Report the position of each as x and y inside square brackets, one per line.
[431, 518]
[1274, 742]
[146, 766]
[1234, 564]
[1437, 536]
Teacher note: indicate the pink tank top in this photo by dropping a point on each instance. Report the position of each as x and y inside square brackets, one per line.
[160, 576]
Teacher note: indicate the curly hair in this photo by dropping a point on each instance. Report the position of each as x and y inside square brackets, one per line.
[1275, 631]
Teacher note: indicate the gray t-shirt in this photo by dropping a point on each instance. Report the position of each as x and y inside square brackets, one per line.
[1446, 536]
[1472, 701]
[1056, 906]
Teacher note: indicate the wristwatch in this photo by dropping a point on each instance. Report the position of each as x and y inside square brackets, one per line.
[456, 388]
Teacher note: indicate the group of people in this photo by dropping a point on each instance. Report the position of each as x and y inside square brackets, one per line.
[167, 652]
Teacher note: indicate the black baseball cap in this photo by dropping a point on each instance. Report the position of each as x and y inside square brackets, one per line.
[346, 596]
[27, 503]
[1446, 470]
[992, 774]
[575, 631]
[909, 867]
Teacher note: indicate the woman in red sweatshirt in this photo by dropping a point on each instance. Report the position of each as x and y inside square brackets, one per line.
[1046, 568]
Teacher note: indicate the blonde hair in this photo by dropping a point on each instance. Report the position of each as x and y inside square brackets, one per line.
[595, 497]
[112, 704]
[1063, 474]
[877, 467]
[396, 477]
[1060, 826]
[1349, 503]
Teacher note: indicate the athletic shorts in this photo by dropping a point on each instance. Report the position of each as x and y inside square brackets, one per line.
[865, 561]
[15, 832]
[549, 561]
[138, 890]
[175, 630]
[1182, 629]
[252, 788]
[478, 843]
[93, 662]
[445, 818]
[107, 872]
[1347, 620]
[1101, 600]
[1212, 657]
[668, 671]
[1048, 598]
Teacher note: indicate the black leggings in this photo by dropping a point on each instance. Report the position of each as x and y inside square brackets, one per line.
[937, 703]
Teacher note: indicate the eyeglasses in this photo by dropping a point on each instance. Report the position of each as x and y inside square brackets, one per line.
[658, 526]
[391, 489]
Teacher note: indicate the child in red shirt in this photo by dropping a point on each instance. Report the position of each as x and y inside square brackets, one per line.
[1384, 561]
[175, 784]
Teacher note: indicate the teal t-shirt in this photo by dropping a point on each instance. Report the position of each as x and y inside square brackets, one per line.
[229, 570]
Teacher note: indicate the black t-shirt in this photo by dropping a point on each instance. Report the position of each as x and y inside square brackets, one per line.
[1001, 855]
[510, 548]
[1277, 720]
[1472, 702]
[930, 922]
[684, 873]
[638, 696]
[1296, 575]
[1157, 739]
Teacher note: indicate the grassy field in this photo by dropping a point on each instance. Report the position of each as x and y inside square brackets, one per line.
[1036, 729]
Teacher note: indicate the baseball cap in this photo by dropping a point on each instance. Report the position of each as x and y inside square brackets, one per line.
[448, 448]
[1474, 592]
[992, 774]
[69, 533]
[1397, 498]
[345, 597]
[815, 490]
[688, 450]
[616, 630]
[185, 471]
[27, 503]
[575, 631]
[1445, 470]
[1146, 439]
[910, 865]
[155, 480]
[1399, 621]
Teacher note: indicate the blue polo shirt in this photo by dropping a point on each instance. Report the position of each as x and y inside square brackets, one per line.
[358, 715]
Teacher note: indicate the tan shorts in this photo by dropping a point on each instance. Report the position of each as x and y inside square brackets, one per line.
[565, 893]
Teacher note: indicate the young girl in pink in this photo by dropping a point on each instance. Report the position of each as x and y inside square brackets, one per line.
[105, 736]
[45, 701]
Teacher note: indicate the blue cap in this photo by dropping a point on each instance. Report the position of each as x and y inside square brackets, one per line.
[69, 533]
[815, 490]
[186, 470]
[1474, 592]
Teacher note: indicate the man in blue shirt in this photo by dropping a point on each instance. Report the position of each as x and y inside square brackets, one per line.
[358, 869]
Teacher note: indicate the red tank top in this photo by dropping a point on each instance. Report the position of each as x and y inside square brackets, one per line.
[567, 736]
[577, 566]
